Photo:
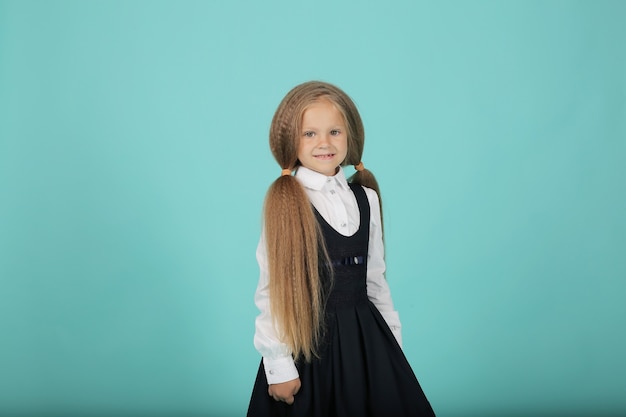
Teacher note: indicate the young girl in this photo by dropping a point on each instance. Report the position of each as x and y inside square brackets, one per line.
[328, 332]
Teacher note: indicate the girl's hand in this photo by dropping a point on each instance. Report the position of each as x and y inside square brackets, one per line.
[285, 391]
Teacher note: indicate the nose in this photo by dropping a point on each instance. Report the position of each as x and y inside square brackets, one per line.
[324, 140]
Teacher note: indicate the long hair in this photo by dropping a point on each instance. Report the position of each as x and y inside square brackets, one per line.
[295, 246]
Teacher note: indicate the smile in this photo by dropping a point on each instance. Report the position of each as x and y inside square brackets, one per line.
[325, 156]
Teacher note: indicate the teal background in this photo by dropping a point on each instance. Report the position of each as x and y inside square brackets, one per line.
[134, 163]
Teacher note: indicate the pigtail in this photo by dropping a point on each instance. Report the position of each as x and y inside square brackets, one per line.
[292, 240]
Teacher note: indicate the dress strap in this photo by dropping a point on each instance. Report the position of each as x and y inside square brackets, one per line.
[362, 201]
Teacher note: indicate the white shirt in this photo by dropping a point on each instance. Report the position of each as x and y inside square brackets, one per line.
[337, 204]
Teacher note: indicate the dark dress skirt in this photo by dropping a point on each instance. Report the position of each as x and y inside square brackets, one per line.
[361, 370]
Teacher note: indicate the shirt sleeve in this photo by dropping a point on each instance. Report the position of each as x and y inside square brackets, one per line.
[277, 359]
[377, 287]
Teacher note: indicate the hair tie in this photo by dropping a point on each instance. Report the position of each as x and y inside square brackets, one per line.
[359, 166]
[285, 172]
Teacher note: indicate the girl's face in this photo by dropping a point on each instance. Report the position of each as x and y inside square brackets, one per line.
[323, 139]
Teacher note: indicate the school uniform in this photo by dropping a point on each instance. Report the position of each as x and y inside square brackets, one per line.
[361, 370]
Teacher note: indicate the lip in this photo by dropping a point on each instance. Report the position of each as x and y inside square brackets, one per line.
[324, 156]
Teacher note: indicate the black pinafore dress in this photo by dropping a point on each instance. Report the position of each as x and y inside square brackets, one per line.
[362, 371]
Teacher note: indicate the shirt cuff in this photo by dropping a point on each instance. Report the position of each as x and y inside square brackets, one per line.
[280, 370]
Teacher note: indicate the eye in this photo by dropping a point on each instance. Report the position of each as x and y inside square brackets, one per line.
[335, 132]
[308, 134]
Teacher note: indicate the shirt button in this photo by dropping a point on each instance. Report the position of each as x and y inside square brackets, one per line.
[328, 179]
[271, 372]
[343, 225]
[332, 191]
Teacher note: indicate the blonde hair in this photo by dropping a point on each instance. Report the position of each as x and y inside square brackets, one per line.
[295, 246]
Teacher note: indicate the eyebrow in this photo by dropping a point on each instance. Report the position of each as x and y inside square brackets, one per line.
[331, 128]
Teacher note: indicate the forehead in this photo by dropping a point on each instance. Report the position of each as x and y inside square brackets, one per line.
[322, 109]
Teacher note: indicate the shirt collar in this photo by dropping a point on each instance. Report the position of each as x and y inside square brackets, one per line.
[316, 181]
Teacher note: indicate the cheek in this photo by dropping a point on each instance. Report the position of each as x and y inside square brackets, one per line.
[345, 146]
[302, 150]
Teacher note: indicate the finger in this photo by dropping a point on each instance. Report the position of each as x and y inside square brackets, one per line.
[289, 400]
[271, 394]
